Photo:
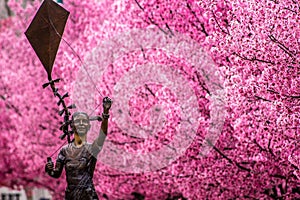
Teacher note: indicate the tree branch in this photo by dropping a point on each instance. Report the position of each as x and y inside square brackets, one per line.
[288, 96]
[139, 5]
[258, 97]
[197, 19]
[253, 59]
[260, 147]
[227, 158]
[269, 147]
[202, 84]
[282, 46]
[215, 18]
[151, 20]
[290, 10]
[9, 12]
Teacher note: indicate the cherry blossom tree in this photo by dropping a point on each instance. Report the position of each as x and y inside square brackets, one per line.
[255, 47]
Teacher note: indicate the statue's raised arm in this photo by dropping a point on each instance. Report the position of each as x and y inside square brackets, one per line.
[99, 141]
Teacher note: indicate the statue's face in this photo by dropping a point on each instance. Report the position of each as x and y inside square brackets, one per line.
[81, 124]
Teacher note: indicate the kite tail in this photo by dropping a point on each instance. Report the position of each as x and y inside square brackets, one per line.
[66, 126]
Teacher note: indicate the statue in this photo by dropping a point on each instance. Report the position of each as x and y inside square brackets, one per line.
[79, 157]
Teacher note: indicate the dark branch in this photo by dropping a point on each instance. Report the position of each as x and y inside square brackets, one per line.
[258, 97]
[260, 147]
[290, 10]
[227, 158]
[169, 29]
[152, 93]
[272, 91]
[151, 20]
[281, 46]
[269, 147]
[288, 96]
[11, 106]
[253, 59]
[294, 97]
[139, 5]
[194, 14]
[202, 84]
[9, 12]
[215, 18]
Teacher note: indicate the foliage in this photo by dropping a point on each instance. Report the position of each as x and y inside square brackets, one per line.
[255, 45]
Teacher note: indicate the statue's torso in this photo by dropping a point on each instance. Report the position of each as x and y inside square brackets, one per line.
[79, 165]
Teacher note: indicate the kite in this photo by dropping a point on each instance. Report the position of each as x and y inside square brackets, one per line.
[45, 32]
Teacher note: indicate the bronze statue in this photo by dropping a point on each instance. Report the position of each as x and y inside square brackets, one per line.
[79, 157]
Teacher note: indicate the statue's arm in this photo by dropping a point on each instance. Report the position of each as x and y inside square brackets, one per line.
[56, 171]
[99, 141]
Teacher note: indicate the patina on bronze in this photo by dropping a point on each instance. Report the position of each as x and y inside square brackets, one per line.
[79, 157]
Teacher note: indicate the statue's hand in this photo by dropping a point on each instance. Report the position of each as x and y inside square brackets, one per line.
[49, 167]
[106, 103]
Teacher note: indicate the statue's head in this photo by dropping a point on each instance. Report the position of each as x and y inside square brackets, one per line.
[80, 123]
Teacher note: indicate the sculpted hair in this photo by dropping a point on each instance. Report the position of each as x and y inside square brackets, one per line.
[79, 113]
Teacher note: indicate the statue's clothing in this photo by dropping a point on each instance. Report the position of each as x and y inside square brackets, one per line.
[79, 164]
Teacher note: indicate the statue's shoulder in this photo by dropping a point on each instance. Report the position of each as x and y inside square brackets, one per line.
[66, 147]
[88, 145]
